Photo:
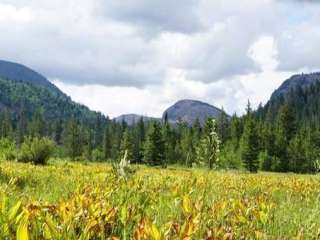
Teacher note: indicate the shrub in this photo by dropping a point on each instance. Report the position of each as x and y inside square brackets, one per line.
[8, 149]
[36, 150]
[97, 155]
[123, 169]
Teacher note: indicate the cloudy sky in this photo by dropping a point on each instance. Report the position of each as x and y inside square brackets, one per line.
[124, 56]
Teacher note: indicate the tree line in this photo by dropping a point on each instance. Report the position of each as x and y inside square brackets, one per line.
[276, 137]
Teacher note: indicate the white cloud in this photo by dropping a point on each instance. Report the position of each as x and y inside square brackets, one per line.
[148, 54]
[10, 13]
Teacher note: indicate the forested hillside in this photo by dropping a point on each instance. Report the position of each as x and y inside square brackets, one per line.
[19, 72]
[283, 135]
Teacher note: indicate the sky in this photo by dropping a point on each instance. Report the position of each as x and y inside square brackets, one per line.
[141, 56]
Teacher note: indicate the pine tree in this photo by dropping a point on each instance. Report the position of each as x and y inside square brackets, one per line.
[139, 137]
[6, 126]
[236, 129]
[72, 139]
[188, 147]
[209, 146]
[107, 142]
[250, 143]
[21, 127]
[154, 146]
[285, 131]
[38, 125]
[58, 131]
[88, 148]
[127, 146]
[223, 127]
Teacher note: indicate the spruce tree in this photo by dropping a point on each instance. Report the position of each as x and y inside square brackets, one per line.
[154, 146]
[139, 137]
[127, 146]
[72, 141]
[38, 125]
[250, 143]
[107, 142]
[285, 131]
[223, 127]
[7, 125]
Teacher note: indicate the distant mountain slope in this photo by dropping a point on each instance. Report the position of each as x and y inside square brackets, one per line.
[191, 110]
[130, 119]
[19, 72]
[299, 80]
[18, 96]
[301, 93]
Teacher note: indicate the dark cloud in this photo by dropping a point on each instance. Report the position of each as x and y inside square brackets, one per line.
[157, 15]
[140, 42]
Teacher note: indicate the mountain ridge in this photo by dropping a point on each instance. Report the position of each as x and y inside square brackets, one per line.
[19, 72]
[297, 80]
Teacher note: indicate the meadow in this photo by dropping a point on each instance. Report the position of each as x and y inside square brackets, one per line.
[67, 200]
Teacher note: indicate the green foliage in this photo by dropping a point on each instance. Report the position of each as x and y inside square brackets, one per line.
[97, 155]
[8, 150]
[72, 139]
[127, 145]
[123, 170]
[209, 146]
[154, 149]
[36, 150]
[229, 157]
[250, 143]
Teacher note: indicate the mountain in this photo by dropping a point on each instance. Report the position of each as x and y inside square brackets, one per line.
[301, 93]
[191, 110]
[23, 90]
[296, 81]
[19, 72]
[130, 119]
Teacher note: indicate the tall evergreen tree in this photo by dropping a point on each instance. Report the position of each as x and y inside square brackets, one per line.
[250, 142]
[72, 140]
[6, 126]
[139, 132]
[223, 127]
[127, 145]
[107, 145]
[38, 124]
[285, 130]
[154, 146]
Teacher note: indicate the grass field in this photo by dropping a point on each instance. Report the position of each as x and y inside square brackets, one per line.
[86, 201]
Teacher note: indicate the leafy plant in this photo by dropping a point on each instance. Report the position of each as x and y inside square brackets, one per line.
[8, 149]
[36, 150]
[123, 169]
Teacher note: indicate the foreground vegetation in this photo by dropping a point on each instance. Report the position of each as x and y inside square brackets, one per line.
[65, 200]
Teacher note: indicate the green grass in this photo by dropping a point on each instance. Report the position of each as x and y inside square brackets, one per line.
[157, 196]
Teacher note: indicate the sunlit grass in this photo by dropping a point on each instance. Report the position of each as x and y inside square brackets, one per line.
[66, 200]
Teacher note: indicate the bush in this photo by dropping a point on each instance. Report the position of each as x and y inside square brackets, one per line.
[8, 149]
[230, 157]
[97, 155]
[36, 150]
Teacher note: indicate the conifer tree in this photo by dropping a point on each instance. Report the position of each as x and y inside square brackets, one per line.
[72, 139]
[250, 143]
[38, 125]
[21, 131]
[139, 132]
[107, 142]
[154, 146]
[127, 146]
[6, 126]
[285, 130]
[223, 128]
